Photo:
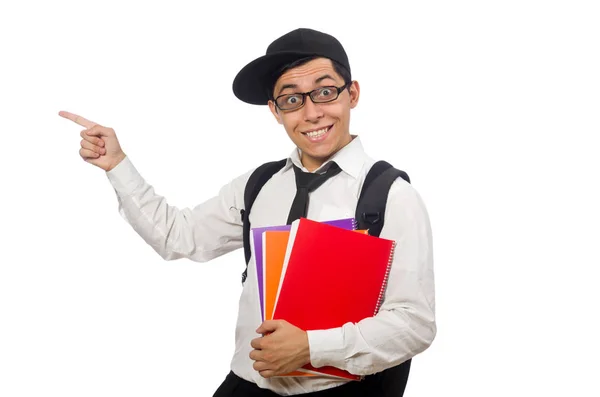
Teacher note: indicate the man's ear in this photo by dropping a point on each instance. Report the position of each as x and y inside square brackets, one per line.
[275, 111]
[354, 94]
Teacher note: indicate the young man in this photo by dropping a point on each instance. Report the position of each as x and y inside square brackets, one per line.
[305, 79]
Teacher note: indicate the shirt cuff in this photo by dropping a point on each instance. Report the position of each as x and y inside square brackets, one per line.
[326, 347]
[124, 177]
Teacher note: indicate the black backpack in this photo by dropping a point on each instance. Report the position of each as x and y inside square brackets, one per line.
[369, 214]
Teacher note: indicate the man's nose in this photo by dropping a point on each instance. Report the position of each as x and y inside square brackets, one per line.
[312, 111]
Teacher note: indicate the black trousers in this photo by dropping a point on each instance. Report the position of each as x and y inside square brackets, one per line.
[234, 386]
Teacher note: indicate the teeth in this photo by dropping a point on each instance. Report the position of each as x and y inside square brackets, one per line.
[318, 133]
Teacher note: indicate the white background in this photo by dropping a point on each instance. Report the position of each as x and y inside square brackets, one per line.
[491, 107]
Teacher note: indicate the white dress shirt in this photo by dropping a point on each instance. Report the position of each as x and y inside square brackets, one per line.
[405, 324]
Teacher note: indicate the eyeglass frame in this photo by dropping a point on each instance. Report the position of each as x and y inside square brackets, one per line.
[303, 95]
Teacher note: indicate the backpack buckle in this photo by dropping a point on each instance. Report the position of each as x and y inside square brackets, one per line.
[371, 217]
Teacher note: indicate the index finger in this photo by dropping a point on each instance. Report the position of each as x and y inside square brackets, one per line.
[77, 119]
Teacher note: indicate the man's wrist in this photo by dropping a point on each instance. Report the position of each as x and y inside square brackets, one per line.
[306, 350]
[118, 160]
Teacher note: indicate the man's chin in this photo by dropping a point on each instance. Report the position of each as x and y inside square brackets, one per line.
[317, 156]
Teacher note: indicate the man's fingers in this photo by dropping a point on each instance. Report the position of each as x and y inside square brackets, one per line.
[269, 326]
[267, 373]
[260, 366]
[256, 343]
[77, 119]
[256, 355]
[88, 154]
[94, 148]
[92, 139]
[98, 130]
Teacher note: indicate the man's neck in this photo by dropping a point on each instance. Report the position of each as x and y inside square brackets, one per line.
[312, 163]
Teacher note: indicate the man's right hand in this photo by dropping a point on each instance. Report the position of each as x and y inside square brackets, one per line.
[99, 145]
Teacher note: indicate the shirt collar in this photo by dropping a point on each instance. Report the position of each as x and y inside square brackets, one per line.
[350, 158]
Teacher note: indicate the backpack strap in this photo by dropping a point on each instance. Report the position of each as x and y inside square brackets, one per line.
[257, 179]
[370, 212]
[372, 201]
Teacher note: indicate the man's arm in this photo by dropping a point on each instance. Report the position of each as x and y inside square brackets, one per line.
[210, 229]
[202, 233]
[405, 324]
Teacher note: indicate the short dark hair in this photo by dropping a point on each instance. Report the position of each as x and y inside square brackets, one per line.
[339, 69]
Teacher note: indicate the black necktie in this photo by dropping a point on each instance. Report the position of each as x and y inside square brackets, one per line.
[306, 182]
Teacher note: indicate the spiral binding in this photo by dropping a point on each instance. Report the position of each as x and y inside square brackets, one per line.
[354, 224]
[385, 279]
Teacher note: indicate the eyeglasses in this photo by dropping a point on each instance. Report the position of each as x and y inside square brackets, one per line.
[320, 95]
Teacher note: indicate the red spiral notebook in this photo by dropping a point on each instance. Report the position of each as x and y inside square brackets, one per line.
[331, 276]
[274, 246]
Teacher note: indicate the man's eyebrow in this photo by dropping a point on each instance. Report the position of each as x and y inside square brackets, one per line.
[287, 86]
[317, 81]
[325, 76]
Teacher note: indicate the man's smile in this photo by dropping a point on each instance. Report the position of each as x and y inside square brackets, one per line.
[317, 135]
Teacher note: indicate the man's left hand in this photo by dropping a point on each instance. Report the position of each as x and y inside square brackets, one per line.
[283, 349]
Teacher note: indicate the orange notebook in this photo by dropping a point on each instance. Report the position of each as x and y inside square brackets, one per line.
[274, 247]
[331, 276]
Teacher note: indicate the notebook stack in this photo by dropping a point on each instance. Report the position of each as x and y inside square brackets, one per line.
[320, 275]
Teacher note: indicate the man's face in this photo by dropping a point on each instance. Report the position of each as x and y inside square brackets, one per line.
[332, 117]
